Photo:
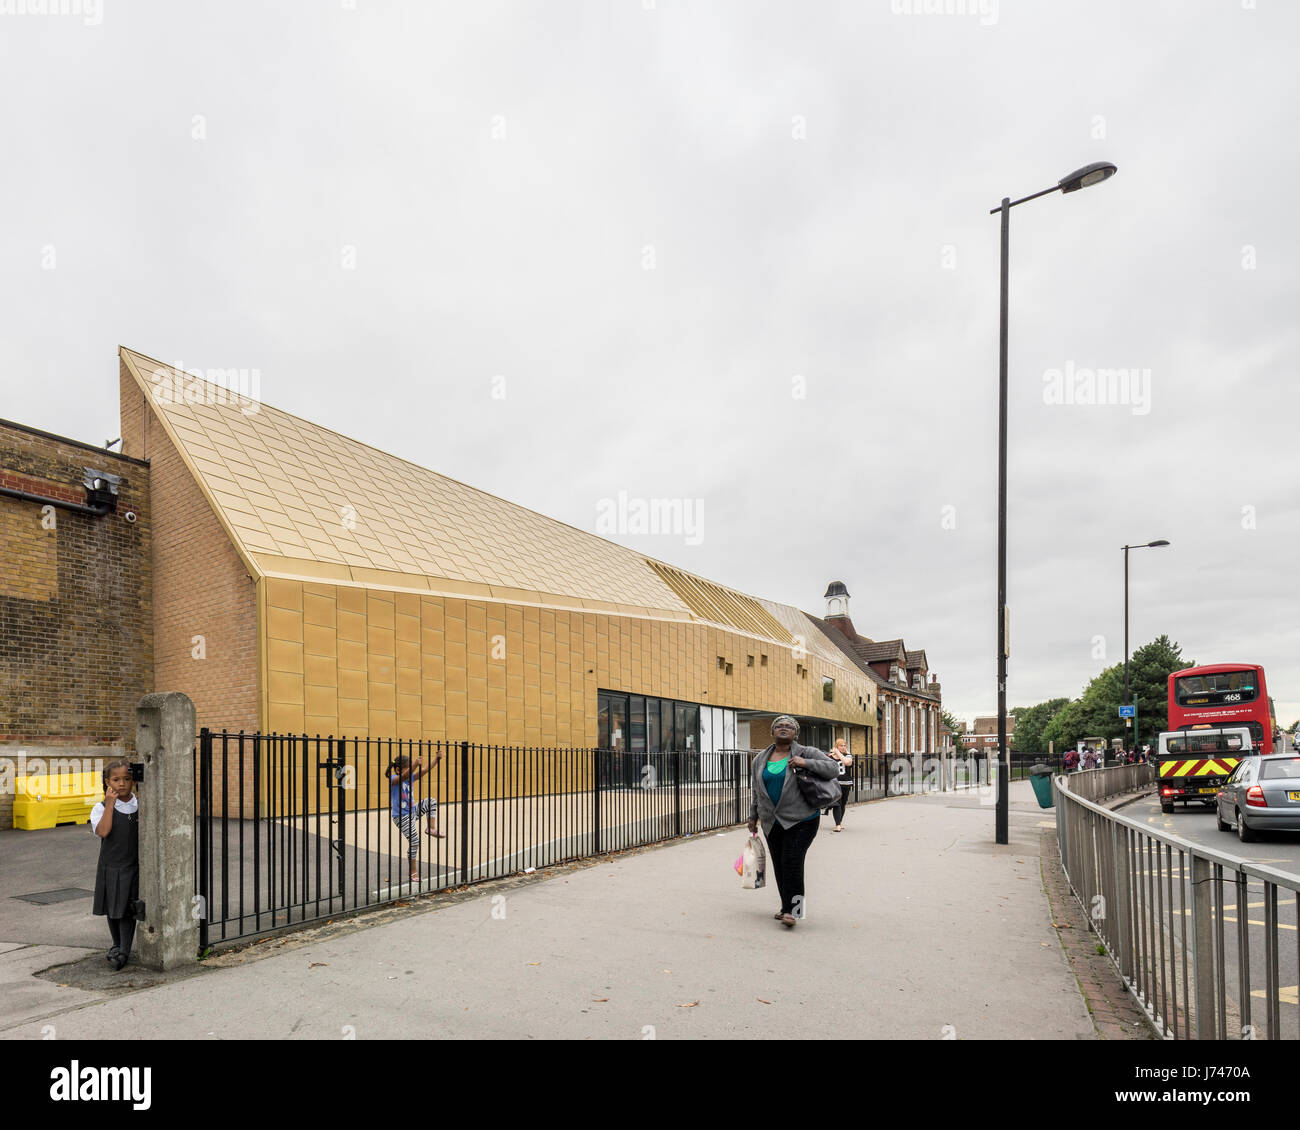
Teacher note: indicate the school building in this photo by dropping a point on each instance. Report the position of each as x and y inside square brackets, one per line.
[290, 579]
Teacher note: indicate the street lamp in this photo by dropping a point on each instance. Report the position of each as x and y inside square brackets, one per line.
[1126, 548]
[1080, 178]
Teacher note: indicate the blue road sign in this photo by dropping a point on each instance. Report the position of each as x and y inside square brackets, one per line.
[1127, 711]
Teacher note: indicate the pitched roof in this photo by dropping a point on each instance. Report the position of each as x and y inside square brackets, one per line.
[883, 650]
[302, 502]
[917, 659]
[855, 649]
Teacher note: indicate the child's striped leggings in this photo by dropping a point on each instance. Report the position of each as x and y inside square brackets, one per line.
[409, 822]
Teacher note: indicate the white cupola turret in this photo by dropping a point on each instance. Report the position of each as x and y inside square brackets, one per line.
[837, 600]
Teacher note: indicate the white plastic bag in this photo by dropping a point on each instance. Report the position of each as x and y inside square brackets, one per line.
[753, 864]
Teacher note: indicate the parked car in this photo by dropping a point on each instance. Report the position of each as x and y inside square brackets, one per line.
[1262, 795]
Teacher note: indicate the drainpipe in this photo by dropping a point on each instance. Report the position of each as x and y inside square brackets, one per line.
[101, 495]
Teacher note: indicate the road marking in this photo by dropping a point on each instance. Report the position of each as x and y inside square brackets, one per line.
[1287, 994]
[1249, 921]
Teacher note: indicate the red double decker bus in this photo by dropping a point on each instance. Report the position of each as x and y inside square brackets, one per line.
[1223, 694]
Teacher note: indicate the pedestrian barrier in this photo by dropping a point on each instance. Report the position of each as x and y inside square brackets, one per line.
[1160, 903]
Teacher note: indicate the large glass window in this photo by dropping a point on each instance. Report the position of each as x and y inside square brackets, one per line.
[637, 725]
[688, 727]
[640, 724]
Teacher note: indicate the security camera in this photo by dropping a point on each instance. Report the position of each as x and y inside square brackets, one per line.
[129, 515]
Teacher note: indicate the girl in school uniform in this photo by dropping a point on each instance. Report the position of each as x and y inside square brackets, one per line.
[115, 820]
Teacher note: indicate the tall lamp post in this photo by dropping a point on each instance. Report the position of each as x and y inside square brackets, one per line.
[1080, 178]
[1126, 548]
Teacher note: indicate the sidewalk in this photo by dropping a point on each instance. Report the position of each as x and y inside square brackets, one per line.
[919, 927]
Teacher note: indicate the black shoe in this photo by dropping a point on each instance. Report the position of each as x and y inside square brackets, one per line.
[112, 954]
[120, 959]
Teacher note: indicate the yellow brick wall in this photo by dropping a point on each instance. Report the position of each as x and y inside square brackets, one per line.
[30, 567]
[201, 588]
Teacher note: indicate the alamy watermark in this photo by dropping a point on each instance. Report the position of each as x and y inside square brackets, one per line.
[61, 773]
[985, 10]
[90, 11]
[241, 388]
[676, 517]
[1130, 387]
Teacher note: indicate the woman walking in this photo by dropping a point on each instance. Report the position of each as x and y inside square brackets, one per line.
[844, 762]
[789, 820]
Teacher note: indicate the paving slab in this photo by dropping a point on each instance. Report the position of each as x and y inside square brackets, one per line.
[918, 927]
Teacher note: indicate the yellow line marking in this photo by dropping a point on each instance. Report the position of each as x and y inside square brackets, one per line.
[1287, 994]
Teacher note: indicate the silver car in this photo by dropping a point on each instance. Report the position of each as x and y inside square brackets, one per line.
[1262, 795]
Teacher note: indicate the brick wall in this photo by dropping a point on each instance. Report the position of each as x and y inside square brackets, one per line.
[205, 603]
[76, 619]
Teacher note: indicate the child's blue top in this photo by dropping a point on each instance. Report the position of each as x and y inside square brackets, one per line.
[399, 797]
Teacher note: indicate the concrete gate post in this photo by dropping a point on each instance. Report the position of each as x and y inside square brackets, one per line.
[168, 935]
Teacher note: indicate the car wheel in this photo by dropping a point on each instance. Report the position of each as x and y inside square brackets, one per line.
[1166, 806]
[1224, 826]
[1244, 834]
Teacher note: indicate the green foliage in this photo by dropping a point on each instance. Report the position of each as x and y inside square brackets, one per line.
[1031, 721]
[953, 725]
[1095, 713]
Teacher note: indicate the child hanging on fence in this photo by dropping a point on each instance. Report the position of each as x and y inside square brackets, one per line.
[115, 820]
[406, 815]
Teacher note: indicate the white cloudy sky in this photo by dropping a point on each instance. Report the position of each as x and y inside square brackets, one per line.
[649, 217]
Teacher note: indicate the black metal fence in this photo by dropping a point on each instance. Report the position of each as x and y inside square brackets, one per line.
[294, 829]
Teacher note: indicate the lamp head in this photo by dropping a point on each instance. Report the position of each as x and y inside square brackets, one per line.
[1087, 176]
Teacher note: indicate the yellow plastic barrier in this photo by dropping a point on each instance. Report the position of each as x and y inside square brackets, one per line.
[47, 799]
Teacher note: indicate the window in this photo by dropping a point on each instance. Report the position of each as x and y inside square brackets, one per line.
[749, 661]
[1275, 770]
[828, 689]
[637, 734]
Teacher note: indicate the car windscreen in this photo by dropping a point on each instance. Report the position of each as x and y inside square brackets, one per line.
[1288, 768]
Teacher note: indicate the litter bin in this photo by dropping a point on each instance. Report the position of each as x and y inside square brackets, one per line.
[1040, 776]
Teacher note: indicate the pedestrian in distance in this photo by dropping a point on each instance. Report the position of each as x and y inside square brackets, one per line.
[789, 820]
[406, 815]
[115, 820]
[1071, 760]
[844, 760]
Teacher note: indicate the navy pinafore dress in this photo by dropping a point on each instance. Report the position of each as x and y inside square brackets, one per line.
[117, 878]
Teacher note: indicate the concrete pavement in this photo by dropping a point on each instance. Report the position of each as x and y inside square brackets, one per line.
[918, 927]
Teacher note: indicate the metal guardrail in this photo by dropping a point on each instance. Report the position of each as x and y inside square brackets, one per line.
[1159, 904]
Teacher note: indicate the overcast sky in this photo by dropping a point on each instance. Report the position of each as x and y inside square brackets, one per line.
[730, 252]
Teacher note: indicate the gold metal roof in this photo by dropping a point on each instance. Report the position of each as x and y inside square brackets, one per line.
[303, 502]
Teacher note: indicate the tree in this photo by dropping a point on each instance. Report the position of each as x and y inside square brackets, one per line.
[1095, 714]
[1031, 721]
[955, 726]
[1148, 674]
[1067, 726]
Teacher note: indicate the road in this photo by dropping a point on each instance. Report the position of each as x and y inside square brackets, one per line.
[1277, 849]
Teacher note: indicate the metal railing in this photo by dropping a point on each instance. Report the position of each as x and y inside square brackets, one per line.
[296, 828]
[1160, 904]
